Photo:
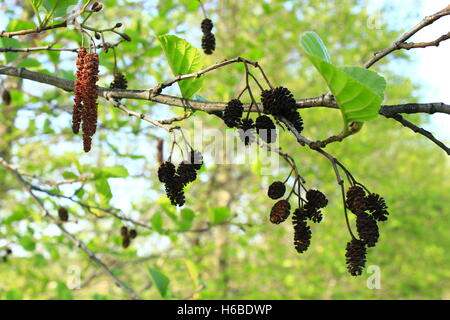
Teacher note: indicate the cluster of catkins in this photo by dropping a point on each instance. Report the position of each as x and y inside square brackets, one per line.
[369, 209]
[315, 200]
[85, 106]
[208, 39]
[278, 102]
[127, 236]
[176, 178]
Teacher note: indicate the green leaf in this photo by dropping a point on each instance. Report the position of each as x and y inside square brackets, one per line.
[69, 175]
[16, 25]
[358, 92]
[63, 292]
[104, 190]
[20, 212]
[219, 215]
[27, 243]
[110, 172]
[28, 63]
[10, 43]
[193, 271]
[183, 58]
[157, 222]
[161, 281]
[186, 217]
[313, 45]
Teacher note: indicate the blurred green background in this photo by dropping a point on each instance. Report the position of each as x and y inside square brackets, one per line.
[247, 258]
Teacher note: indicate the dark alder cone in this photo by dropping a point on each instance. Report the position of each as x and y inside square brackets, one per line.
[174, 191]
[166, 172]
[208, 43]
[276, 190]
[266, 129]
[89, 112]
[133, 233]
[316, 199]
[355, 257]
[356, 201]
[377, 206]
[367, 229]
[246, 131]
[296, 120]
[313, 213]
[6, 97]
[278, 101]
[119, 82]
[196, 159]
[63, 214]
[8, 251]
[233, 113]
[302, 232]
[126, 242]
[280, 211]
[207, 26]
[78, 92]
[186, 172]
[124, 231]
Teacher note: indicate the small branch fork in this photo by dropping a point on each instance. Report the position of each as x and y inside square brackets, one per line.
[402, 44]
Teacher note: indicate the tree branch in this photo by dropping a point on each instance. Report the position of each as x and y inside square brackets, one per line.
[401, 42]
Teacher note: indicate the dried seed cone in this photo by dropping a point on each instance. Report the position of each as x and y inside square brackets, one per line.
[133, 233]
[266, 129]
[63, 214]
[280, 211]
[377, 206]
[207, 25]
[245, 131]
[313, 213]
[78, 91]
[233, 113]
[316, 199]
[278, 101]
[276, 190]
[186, 172]
[124, 231]
[126, 242]
[119, 82]
[166, 172]
[302, 232]
[208, 43]
[356, 199]
[174, 191]
[355, 257]
[6, 97]
[367, 229]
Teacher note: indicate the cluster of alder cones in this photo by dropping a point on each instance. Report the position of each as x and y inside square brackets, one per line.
[127, 236]
[208, 39]
[85, 101]
[278, 102]
[369, 209]
[176, 178]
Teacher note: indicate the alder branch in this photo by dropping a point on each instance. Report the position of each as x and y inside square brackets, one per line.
[401, 42]
[29, 188]
[421, 131]
[11, 34]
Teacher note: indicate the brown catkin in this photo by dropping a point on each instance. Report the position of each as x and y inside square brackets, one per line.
[89, 112]
[78, 90]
